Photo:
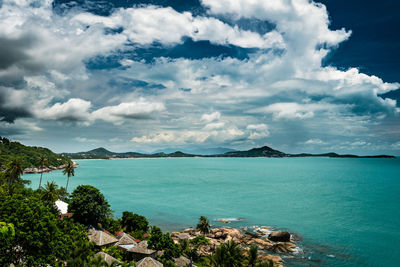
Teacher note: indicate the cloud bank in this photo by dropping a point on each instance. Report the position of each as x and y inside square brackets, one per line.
[97, 72]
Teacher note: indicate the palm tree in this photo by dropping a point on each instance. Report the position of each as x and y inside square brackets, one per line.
[227, 255]
[203, 225]
[253, 254]
[69, 171]
[14, 171]
[50, 192]
[268, 263]
[13, 175]
[42, 164]
[62, 193]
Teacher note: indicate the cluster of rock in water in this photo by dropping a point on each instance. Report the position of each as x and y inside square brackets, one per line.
[264, 238]
[47, 169]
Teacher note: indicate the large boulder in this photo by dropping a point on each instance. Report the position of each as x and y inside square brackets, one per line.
[283, 247]
[233, 232]
[189, 230]
[279, 236]
[183, 236]
[264, 243]
[219, 235]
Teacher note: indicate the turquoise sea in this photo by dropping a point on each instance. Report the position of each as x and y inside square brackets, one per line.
[347, 211]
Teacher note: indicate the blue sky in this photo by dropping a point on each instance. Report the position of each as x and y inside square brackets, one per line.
[296, 75]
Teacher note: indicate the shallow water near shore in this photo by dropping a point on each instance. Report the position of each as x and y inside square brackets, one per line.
[345, 210]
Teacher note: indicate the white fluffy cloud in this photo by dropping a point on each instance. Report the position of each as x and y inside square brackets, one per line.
[191, 137]
[44, 74]
[145, 25]
[78, 110]
[74, 109]
[212, 133]
[215, 116]
[141, 109]
[292, 110]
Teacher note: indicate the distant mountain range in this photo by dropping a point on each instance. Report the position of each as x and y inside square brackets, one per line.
[196, 150]
[265, 151]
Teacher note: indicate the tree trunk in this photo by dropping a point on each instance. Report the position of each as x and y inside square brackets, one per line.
[40, 183]
[66, 188]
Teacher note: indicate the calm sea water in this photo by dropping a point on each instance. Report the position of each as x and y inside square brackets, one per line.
[346, 210]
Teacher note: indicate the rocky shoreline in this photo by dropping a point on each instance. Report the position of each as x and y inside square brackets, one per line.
[267, 241]
[47, 169]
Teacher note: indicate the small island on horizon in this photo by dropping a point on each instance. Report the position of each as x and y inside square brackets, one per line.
[265, 151]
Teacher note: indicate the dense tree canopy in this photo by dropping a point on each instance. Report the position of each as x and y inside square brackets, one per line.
[7, 236]
[29, 156]
[89, 206]
[134, 222]
[39, 239]
[228, 255]
[160, 241]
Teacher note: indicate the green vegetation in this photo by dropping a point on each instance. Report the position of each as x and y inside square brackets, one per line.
[228, 255]
[160, 241]
[7, 237]
[253, 254]
[38, 238]
[42, 164]
[51, 192]
[190, 248]
[203, 225]
[69, 171]
[265, 151]
[29, 156]
[89, 206]
[134, 222]
[33, 234]
[112, 225]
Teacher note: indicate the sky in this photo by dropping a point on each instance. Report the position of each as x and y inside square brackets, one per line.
[296, 75]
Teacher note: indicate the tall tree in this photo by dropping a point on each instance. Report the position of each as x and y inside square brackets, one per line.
[42, 164]
[89, 205]
[203, 225]
[69, 171]
[13, 175]
[163, 242]
[253, 255]
[133, 222]
[14, 171]
[50, 192]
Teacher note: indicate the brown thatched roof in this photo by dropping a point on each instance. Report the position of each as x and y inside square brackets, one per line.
[107, 258]
[182, 261]
[149, 262]
[125, 239]
[142, 249]
[101, 238]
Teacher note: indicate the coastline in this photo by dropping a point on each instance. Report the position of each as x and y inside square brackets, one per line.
[271, 244]
[47, 169]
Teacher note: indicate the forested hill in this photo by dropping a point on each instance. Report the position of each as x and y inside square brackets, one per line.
[265, 151]
[29, 155]
[102, 153]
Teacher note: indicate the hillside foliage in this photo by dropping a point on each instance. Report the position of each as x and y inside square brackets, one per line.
[29, 155]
